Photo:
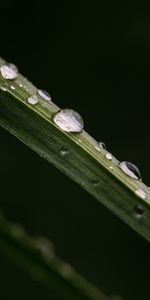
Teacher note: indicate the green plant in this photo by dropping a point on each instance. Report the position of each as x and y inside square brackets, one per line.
[75, 154]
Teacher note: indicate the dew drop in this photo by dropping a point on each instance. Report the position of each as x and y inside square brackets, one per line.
[12, 87]
[108, 156]
[33, 100]
[138, 211]
[64, 151]
[130, 170]
[3, 88]
[20, 85]
[100, 145]
[69, 120]
[140, 193]
[111, 167]
[44, 95]
[9, 71]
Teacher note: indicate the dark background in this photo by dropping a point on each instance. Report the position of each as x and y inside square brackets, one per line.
[95, 58]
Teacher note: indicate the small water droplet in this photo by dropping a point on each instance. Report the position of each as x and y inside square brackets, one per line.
[9, 71]
[20, 85]
[140, 193]
[3, 88]
[12, 87]
[33, 100]
[108, 156]
[111, 167]
[130, 170]
[64, 151]
[69, 120]
[100, 145]
[44, 95]
[138, 211]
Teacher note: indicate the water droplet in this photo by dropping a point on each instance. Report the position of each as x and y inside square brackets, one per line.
[130, 170]
[44, 246]
[69, 120]
[33, 100]
[20, 85]
[111, 167]
[64, 151]
[12, 87]
[3, 89]
[44, 95]
[140, 193]
[108, 156]
[100, 145]
[138, 211]
[9, 71]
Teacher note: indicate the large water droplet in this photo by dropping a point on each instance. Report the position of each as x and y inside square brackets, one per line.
[33, 100]
[44, 95]
[140, 193]
[100, 145]
[130, 170]
[69, 120]
[9, 71]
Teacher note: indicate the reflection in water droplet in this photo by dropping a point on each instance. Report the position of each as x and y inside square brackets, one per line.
[130, 170]
[9, 71]
[3, 88]
[100, 145]
[44, 95]
[33, 100]
[64, 151]
[140, 193]
[45, 247]
[108, 156]
[69, 120]
[12, 87]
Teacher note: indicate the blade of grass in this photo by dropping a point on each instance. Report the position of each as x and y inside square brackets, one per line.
[52, 271]
[102, 178]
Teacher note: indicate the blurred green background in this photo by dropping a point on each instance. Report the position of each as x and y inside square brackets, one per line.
[93, 57]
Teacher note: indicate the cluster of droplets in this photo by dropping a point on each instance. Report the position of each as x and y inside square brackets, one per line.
[10, 73]
[70, 121]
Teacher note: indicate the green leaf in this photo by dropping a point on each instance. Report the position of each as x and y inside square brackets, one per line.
[101, 177]
[44, 267]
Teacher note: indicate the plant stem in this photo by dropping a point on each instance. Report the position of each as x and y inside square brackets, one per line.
[102, 178]
[50, 270]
